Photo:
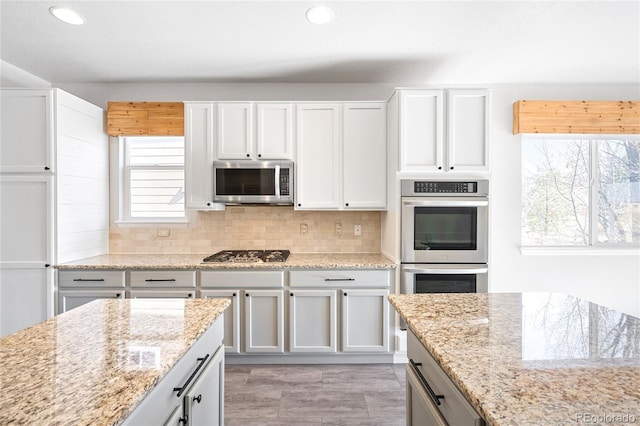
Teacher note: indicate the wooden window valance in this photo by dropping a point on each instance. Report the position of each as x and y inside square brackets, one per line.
[586, 117]
[145, 118]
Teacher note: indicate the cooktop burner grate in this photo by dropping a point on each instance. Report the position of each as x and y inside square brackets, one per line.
[248, 256]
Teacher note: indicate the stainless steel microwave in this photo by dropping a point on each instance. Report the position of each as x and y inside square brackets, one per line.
[253, 182]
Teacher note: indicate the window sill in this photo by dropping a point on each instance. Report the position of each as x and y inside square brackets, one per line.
[180, 223]
[579, 251]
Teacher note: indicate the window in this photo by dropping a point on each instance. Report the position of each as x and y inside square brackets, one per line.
[581, 192]
[153, 179]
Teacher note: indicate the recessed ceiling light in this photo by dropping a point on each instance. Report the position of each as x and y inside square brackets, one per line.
[319, 15]
[66, 15]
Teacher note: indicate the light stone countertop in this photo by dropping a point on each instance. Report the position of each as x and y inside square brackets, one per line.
[88, 366]
[532, 358]
[194, 261]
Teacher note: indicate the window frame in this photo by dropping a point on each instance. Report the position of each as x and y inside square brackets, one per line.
[120, 183]
[593, 247]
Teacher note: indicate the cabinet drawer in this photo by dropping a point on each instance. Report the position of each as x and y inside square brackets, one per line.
[91, 279]
[163, 294]
[340, 278]
[242, 279]
[155, 279]
[454, 408]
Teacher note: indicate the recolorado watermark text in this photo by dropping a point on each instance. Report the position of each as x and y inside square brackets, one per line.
[604, 418]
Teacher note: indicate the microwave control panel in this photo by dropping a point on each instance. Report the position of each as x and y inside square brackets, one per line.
[284, 182]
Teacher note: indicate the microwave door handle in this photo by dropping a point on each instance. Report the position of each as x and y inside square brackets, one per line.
[462, 271]
[277, 183]
[448, 203]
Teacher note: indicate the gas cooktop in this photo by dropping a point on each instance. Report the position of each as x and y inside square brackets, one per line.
[248, 256]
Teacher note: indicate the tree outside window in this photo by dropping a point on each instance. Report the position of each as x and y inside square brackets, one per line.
[580, 192]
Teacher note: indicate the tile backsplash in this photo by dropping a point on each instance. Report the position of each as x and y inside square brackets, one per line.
[254, 227]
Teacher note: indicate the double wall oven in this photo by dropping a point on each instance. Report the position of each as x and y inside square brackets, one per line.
[444, 238]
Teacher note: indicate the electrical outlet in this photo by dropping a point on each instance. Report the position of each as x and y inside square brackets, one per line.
[163, 232]
[338, 228]
[304, 229]
[357, 230]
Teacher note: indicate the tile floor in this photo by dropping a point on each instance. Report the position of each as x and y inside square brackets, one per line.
[345, 395]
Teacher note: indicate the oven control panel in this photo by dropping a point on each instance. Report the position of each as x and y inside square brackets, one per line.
[428, 187]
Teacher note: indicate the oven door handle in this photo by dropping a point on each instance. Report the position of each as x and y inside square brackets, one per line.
[445, 203]
[462, 271]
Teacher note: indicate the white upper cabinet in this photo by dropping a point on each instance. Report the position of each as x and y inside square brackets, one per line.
[421, 147]
[318, 170]
[234, 126]
[248, 131]
[341, 156]
[365, 156]
[199, 145]
[434, 141]
[468, 130]
[26, 131]
[274, 131]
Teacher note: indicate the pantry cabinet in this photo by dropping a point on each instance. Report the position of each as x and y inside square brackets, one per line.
[54, 196]
[341, 156]
[442, 131]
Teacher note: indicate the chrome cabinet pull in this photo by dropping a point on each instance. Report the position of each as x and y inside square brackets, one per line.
[435, 398]
[184, 387]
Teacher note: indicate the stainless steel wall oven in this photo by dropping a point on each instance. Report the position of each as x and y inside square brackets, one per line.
[444, 236]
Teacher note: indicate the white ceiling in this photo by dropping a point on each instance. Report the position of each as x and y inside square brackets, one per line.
[401, 42]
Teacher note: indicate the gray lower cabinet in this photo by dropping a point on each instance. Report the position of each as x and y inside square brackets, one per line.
[231, 316]
[365, 320]
[192, 392]
[432, 398]
[75, 288]
[254, 323]
[162, 284]
[313, 320]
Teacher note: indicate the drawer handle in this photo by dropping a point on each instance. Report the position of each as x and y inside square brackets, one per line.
[201, 362]
[339, 279]
[85, 280]
[435, 398]
[151, 280]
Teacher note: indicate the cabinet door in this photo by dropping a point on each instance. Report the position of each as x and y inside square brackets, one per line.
[468, 130]
[204, 401]
[274, 131]
[365, 156]
[234, 131]
[231, 317]
[26, 296]
[420, 409]
[26, 131]
[198, 135]
[69, 299]
[318, 171]
[263, 321]
[365, 321]
[312, 321]
[421, 130]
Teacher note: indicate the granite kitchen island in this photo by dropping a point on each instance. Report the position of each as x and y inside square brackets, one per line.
[96, 364]
[531, 358]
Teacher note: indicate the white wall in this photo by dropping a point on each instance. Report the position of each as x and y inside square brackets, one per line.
[14, 77]
[612, 280]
